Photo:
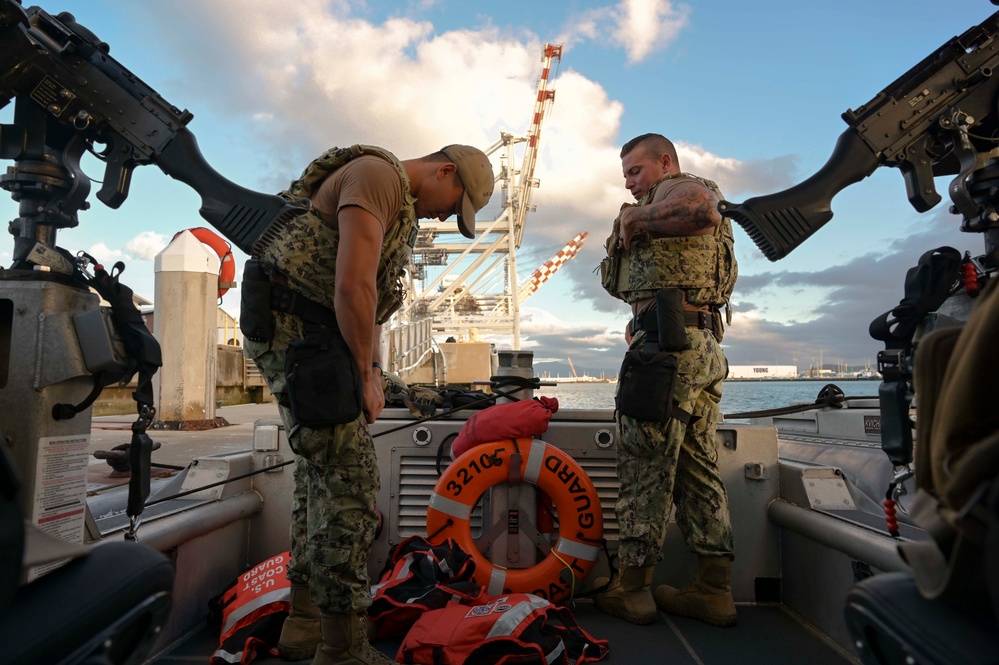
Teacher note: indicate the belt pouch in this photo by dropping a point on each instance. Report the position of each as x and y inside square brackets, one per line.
[324, 387]
[645, 386]
[256, 320]
[669, 318]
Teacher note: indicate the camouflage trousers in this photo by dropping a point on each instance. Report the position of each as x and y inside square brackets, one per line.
[659, 464]
[333, 517]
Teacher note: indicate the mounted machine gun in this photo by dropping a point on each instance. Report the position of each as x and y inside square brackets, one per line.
[940, 118]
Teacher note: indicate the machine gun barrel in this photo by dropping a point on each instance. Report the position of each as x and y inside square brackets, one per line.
[919, 124]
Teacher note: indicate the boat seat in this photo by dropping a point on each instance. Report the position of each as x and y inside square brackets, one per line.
[891, 623]
[104, 608]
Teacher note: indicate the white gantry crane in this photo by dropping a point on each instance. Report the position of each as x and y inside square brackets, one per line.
[474, 284]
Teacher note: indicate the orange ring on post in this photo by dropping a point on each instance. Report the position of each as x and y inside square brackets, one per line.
[219, 245]
[581, 523]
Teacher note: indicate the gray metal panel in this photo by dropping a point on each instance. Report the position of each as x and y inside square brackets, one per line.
[747, 458]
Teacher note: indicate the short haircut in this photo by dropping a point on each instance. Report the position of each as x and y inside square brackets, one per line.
[655, 145]
[436, 157]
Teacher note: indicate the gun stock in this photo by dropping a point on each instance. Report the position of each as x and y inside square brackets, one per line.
[778, 223]
[242, 215]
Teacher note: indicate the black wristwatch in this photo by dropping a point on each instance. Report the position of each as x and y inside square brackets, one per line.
[379, 366]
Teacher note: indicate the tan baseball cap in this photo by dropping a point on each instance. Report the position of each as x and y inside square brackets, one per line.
[476, 175]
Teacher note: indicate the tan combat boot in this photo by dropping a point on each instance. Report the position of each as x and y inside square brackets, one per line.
[300, 633]
[708, 598]
[629, 597]
[345, 642]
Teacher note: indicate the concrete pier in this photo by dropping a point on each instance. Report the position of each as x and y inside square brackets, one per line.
[186, 327]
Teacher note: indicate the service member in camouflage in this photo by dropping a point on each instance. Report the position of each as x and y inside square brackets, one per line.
[339, 267]
[673, 237]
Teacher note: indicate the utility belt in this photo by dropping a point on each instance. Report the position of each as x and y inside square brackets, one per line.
[323, 382]
[649, 322]
[285, 300]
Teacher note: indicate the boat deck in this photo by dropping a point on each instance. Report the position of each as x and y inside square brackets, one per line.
[764, 634]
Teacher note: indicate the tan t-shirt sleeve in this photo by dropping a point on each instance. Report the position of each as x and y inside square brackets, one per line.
[368, 182]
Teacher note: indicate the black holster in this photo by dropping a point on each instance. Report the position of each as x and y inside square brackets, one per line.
[256, 320]
[672, 327]
[324, 385]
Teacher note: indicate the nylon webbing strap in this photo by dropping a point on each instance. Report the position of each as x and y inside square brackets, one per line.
[648, 321]
[285, 300]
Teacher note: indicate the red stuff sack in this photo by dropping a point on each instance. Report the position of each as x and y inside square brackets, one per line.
[527, 418]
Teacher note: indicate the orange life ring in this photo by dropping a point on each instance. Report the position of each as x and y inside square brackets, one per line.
[581, 523]
[219, 245]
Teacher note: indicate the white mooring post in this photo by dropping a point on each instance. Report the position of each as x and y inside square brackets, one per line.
[186, 325]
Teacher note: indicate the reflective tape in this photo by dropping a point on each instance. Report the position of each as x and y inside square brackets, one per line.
[534, 461]
[497, 579]
[576, 549]
[455, 509]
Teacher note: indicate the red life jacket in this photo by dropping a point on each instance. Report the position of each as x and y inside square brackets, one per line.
[417, 578]
[527, 418]
[252, 610]
[518, 627]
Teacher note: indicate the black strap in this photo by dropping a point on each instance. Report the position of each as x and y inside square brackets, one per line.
[285, 300]
[649, 322]
[685, 417]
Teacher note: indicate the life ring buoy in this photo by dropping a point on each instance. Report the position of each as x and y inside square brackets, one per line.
[219, 245]
[555, 473]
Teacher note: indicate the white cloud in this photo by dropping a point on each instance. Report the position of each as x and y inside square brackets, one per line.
[640, 27]
[146, 245]
[645, 26]
[311, 79]
[105, 255]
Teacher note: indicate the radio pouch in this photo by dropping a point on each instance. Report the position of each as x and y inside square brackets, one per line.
[324, 386]
[670, 321]
[256, 319]
[645, 386]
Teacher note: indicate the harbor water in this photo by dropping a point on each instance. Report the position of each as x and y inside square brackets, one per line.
[737, 396]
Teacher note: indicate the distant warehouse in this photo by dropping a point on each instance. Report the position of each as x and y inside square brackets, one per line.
[749, 372]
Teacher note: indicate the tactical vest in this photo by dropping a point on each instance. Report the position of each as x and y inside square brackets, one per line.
[305, 252]
[704, 267]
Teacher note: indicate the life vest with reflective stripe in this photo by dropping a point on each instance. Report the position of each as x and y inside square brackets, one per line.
[253, 609]
[420, 577]
[518, 627]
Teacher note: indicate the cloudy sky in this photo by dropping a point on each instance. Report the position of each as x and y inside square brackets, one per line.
[751, 91]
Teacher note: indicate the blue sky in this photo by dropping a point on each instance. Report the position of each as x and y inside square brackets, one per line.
[751, 91]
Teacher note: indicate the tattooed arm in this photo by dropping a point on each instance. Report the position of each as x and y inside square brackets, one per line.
[690, 210]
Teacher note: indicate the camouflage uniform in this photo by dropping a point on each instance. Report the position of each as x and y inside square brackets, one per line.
[662, 463]
[336, 470]
[336, 482]
[658, 463]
